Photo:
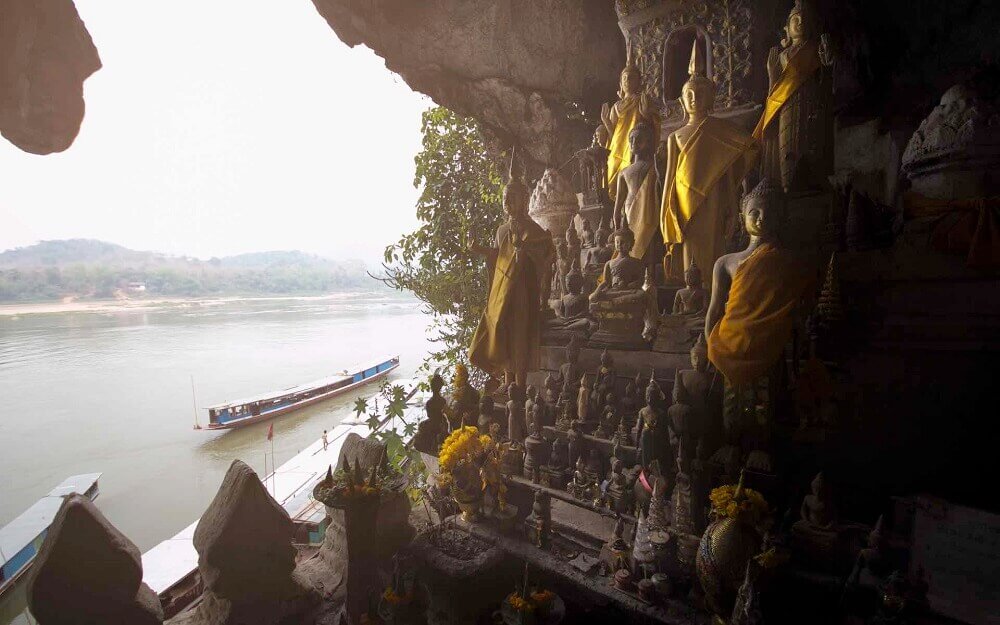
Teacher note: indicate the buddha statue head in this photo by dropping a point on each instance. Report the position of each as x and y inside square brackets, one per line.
[698, 93]
[437, 382]
[601, 136]
[692, 276]
[630, 82]
[572, 238]
[699, 354]
[603, 232]
[653, 392]
[762, 210]
[641, 141]
[574, 281]
[515, 194]
[515, 393]
[624, 239]
[801, 23]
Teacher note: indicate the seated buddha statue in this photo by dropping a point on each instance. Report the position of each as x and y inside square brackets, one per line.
[432, 430]
[621, 435]
[817, 534]
[678, 330]
[556, 471]
[587, 236]
[602, 251]
[692, 299]
[571, 309]
[582, 487]
[625, 312]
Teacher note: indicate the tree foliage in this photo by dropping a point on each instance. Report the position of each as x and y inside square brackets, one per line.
[460, 200]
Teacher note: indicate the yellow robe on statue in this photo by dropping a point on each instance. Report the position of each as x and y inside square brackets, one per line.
[642, 209]
[619, 151]
[509, 332]
[703, 192]
[763, 298]
[801, 66]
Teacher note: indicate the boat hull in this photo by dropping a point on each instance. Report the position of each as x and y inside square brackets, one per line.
[277, 412]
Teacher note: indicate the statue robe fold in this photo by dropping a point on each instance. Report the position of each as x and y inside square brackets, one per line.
[703, 192]
[799, 69]
[509, 332]
[627, 115]
[642, 210]
[764, 295]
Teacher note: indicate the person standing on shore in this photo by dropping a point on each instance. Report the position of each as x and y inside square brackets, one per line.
[324, 440]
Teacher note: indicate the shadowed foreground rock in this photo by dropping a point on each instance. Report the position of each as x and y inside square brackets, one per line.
[246, 558]
[89, 572]
[45, 55]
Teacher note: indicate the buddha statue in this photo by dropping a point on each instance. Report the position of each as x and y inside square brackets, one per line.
[570, 371]
[706, 161]
[555, 473]
[607, 374]
[651, 435]
[690, 412]
[818, 509]
[693, 298]
[603, 249]
[565, 417]
[464, 398]
[628, 405]
[755, 299]
[677, 331]
[605, 424]
[588, 239]
[632, 107]
[539, 522]
[552, 386]
[573, 245]
[593, 168]
[582, 487]
[622, 436]
[508, 337]
[575, 442]
[817, 535]
[487, 416]
[637, 202]
[530, 398]
[596, 399]
[618, 488]
[626, 314]
[432, 430]
[796, 126]
[516, 421]
[572, 308]
[563, 262]
[536, 451]
[583, 400]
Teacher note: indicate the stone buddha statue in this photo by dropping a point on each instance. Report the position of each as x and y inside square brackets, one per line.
[593, 168]
[583, 400]
[625, 312]
[566, 417]
[516, 418]
[650, 431]
[693, 298]
[432, 430]
[588, 239]
[536, 451]
[464, 398]
[618, 489]
[607, 374]
[796, 126]
[603, 248]
[817, 533]
[621, 434]
[552, 386]
[575, 442]
[487, 416]
[632, 107]
[573, 244]
[606, 424]
[508, 337]
[554, 474]
[818, 509]
[706, 161]
[690, 412]
[755, 300]
[581, 487]
[562, 267]
[570, 371]
[628, 404]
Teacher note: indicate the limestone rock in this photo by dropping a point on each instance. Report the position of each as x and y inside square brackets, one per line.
[89, 572]
[518, 67]
[244, 539]
[366, 452]
[45, 55]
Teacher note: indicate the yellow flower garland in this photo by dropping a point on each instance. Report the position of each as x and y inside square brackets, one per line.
[750, 506]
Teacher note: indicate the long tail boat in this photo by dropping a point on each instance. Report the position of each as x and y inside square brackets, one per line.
[241, 412]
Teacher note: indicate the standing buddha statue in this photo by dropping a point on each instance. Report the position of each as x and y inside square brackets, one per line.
[706, 162]
[516, 426]
[798, 149]
[486, 417]
[508, 337]
[621, 117]
[637, 201]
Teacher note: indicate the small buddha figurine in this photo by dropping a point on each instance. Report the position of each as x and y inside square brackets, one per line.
[587, 236]
[603, 249]
[818, 508]
[596, 399]
[536, 450]
[572, 308]
[628, 405]
[432, 430]
[651, 437]
[575, 442]
[583, 399]
[539, 522]
[622, 435]
[580, 487]
[573, 244]
[692, 299]
[516, 421]
[617, 489]
[464, 398]
[603, 429]
[570, 371]
[530, 399]
[552, 386]
[563, 263]
[607, 375]
[555, 473]
[486, 414]
[565, 418]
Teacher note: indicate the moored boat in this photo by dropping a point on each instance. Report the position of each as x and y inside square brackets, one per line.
[241, 412]
[21, 539]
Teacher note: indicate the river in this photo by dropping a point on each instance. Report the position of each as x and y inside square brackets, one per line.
[110, 390]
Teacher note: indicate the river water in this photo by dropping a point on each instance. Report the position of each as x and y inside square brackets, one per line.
[110, 391]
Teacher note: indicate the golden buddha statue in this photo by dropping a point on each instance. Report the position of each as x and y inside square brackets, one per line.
[509, 333]
[620, 118]
[798, 149]
[637, 199]
[706, 161]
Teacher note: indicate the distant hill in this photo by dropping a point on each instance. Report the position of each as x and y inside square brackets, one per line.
[86, 268]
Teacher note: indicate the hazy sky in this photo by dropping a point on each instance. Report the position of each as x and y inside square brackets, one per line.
[222, 127]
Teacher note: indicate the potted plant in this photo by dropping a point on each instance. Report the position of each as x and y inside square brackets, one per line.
[462, 459]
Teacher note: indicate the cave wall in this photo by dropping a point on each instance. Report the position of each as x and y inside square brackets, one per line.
[529, 70]
[45, 55]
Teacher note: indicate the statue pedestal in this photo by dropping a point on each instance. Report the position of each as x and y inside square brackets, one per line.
[620, 323]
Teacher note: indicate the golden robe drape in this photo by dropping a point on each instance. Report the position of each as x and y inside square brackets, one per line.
[629, 113]
[803, 64]
[509, 332]
[703, 192]
[759, 317]
[969, 227]
[642, 209]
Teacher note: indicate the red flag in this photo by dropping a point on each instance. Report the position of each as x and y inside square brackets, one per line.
[270, 432]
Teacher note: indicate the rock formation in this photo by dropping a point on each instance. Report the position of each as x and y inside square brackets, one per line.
[89, 572]
[46, 55]
[246, 558]
[518, 67]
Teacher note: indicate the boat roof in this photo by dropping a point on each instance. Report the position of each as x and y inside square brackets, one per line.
[301, 388]
[20, 532]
